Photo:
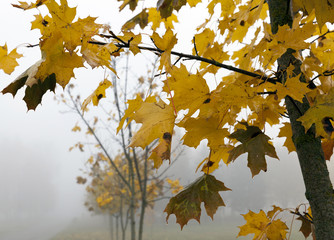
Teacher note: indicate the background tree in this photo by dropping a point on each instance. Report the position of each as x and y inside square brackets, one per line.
[122, 180]
[279, 57]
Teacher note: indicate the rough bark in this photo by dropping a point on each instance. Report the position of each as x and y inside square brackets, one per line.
[319, 189]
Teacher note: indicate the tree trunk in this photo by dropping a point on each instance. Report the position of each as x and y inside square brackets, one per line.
[111, 225]
[143, 199]
[319, 189]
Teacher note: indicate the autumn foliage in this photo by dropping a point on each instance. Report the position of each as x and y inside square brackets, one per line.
[228, 97]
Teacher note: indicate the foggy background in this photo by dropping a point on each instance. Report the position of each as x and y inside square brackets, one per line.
[39, 194]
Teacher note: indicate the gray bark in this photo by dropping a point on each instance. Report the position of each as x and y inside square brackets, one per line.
[319, 189]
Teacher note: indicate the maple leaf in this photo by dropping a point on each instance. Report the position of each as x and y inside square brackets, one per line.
[132, 4]
[156, 20]
[190, 90]
[323, 9]
[36, 88]
[286, 132]
[157, 119]
[26, 6]
[322, 109]
[166, 43]
[8, 60]
[294, 88]
[263, 225]
[140, 19]
[202, 128]
[327, 147]
[256, 144]
[166, 7]
[203, 41]
[186, 204]
[57, 61]
[97, 95]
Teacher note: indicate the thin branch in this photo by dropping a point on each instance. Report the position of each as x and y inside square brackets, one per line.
[197, 58]
[269, 93]
[99, 142]
[302, 216]
[195, 46]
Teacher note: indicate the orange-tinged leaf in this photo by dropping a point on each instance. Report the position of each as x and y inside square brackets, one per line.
[186, 205]
[162, 151]
[256, 144]
[327, 147]
[97, 95]
[8, 60]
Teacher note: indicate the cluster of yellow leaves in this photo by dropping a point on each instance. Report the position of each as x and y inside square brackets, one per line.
[65, 43]
[264, 225]
[174, 185]
[104, 199]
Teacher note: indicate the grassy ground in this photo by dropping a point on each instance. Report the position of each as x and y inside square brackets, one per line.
[208, 230]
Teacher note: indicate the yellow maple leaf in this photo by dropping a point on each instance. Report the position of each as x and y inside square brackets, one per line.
[202, 128]
[165, 43]
[133, 106]
[8, 60]
[55, 60]
[26, 6]
[263, 225]
[286, 132]
[97, 95]
[203, 41]
[156, 20]
[324, 10]
[190, 90]
[133, 39]
[322, 109]
[62, 15]
[157, 120]
[294, 88]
